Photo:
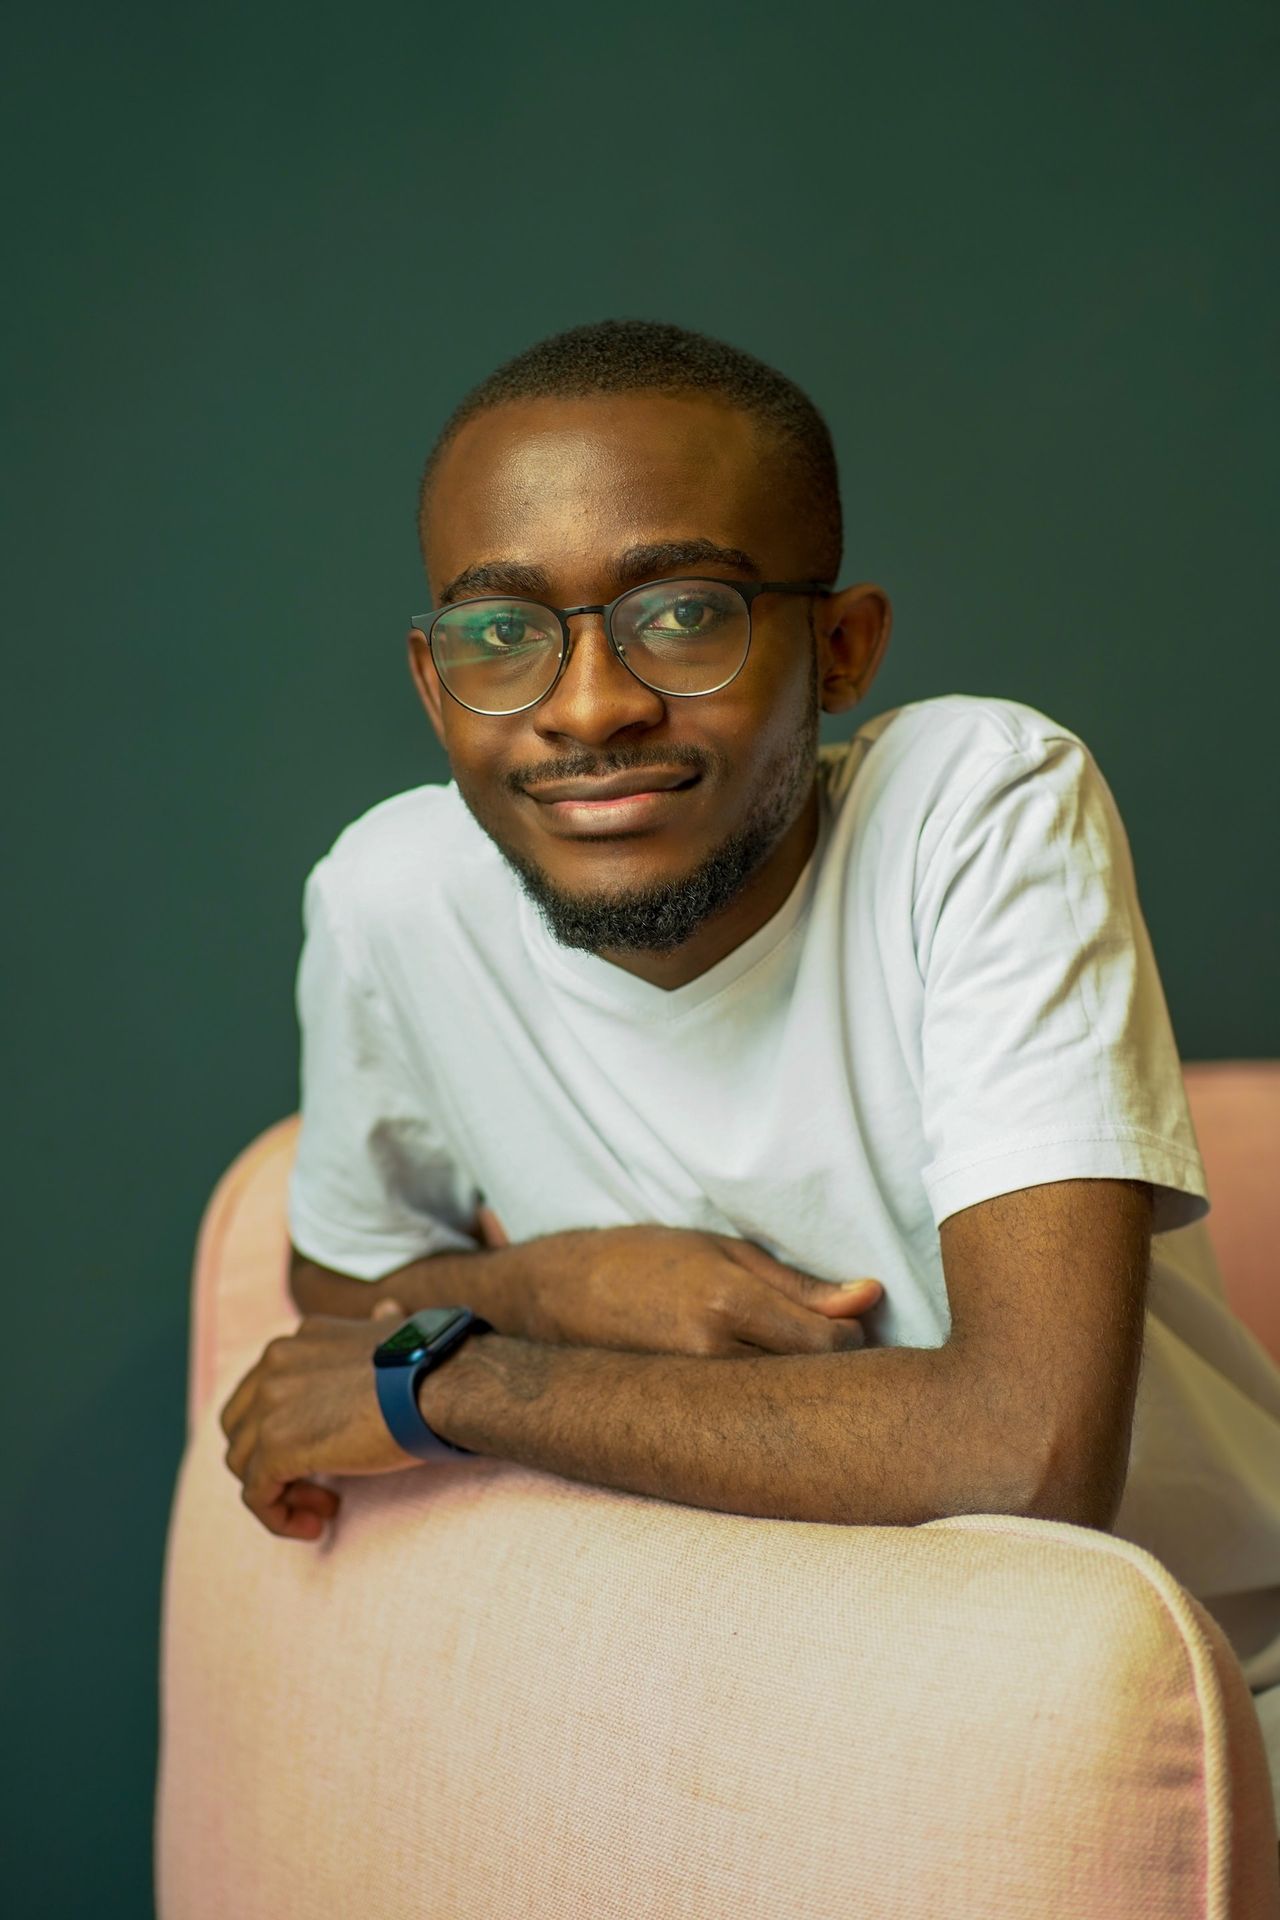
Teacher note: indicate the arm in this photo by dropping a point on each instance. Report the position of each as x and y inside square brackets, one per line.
[1050, 1282]
[773, 1435]
[477, 1280]
[887, 1436]
[1026, 1409]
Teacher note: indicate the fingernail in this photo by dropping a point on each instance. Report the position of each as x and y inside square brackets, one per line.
[851, 1286]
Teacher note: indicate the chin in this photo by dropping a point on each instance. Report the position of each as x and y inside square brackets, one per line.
[602, 869]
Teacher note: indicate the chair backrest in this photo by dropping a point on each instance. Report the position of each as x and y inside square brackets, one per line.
[1235, 1107]
[240, 1275]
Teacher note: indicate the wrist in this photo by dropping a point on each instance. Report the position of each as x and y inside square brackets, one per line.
[486, 1282]
[444, 1394]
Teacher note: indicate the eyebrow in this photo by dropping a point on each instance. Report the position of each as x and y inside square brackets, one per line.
[647, 561]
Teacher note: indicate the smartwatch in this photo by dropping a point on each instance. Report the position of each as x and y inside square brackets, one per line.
[423, 1341]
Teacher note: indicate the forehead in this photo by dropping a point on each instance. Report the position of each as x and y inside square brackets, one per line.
[567, 483]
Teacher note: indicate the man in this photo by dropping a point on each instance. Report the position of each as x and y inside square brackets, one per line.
[713, 1020]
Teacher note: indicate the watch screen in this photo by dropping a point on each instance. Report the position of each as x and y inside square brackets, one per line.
[404, 1342]
[416, 1335]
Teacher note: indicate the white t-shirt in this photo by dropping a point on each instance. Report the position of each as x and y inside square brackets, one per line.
[958, 998]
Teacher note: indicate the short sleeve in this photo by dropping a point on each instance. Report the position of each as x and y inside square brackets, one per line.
[1047, 1048]
[373, 1184]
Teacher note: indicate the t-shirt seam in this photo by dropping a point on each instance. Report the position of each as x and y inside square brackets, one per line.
[996, 771]
[992, 767]
[1087, 981]
[658, 1014]
[1112, 1135]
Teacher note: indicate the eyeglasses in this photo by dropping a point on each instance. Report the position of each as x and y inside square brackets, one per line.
[685, 637]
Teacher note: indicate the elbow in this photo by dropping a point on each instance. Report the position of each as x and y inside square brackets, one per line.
[1081, 1495]
[1074, 1509]
[302, 1287]
[297, 1287]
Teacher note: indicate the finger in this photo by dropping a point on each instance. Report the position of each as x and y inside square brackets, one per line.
[240, 1451]
[389, 1310]
[301, 1526]
[328, 1340]
[265, 1501]
[849, 1296]
[305, 1496]
[326, 1326]
[491, 1228]
[292, 1522]
[756, 1260]
[778, 1325]
[287, 1507]
[810, 1289]
[791, 1340]
[239, 1402]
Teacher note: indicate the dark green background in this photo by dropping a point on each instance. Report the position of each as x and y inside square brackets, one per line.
[1022, 258]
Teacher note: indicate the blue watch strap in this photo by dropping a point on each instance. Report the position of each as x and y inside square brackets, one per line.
[397, 1388]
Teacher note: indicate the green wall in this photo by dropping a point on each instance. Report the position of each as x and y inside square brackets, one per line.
[1020, 257]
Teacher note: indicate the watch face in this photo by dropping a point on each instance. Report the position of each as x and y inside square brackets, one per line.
[411, 1340]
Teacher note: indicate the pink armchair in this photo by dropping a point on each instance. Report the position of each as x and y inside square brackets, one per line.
[495, 1692]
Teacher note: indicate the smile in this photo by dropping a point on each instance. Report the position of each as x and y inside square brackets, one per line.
[626, 813]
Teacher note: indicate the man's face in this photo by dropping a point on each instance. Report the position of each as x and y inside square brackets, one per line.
[569, 487]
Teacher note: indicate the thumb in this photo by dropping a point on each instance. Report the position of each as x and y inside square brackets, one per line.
[836, 1296]
[491, 1229]
[843, 1296]
[388, 1309]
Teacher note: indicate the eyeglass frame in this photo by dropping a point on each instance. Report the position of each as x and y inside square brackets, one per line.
[749, 589]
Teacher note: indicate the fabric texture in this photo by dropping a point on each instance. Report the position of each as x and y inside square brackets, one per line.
[958, 998]
[492, 1691]
[1267, 1707]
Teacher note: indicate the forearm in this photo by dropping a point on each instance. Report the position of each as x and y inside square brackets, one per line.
[486, 1281]
[888, 1436]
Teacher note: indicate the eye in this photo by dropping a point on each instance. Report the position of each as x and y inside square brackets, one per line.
[501, 627]
[682, 611]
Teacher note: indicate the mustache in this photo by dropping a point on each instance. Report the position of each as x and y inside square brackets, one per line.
[586, 768]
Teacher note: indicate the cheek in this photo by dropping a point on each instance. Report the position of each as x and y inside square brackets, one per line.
[766, 717]
[476, 759]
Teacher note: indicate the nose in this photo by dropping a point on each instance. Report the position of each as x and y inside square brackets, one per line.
[596, 695]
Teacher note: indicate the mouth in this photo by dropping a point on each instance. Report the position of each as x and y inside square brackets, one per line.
[620, 813]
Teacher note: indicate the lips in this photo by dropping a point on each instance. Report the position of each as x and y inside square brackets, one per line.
[615, 814]
[616, 787]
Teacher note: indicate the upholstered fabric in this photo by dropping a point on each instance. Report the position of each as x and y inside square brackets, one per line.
[493, 1691]
[1235, 1109]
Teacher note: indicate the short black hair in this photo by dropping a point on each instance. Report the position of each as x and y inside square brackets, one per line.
[631, 356]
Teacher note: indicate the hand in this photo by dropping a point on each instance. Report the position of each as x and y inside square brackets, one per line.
[653, 1289]
[309, 1405]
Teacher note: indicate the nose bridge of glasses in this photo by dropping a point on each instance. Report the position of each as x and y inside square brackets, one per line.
[599, 621]
[571, 613]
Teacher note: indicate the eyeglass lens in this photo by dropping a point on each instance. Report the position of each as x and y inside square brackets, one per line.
[680, 636]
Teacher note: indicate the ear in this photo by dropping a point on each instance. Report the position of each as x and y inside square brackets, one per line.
[422, 669]
[852, 629]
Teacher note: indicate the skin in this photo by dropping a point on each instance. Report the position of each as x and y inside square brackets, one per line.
[567, 485]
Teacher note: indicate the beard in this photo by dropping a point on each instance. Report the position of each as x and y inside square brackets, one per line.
[662, 917]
